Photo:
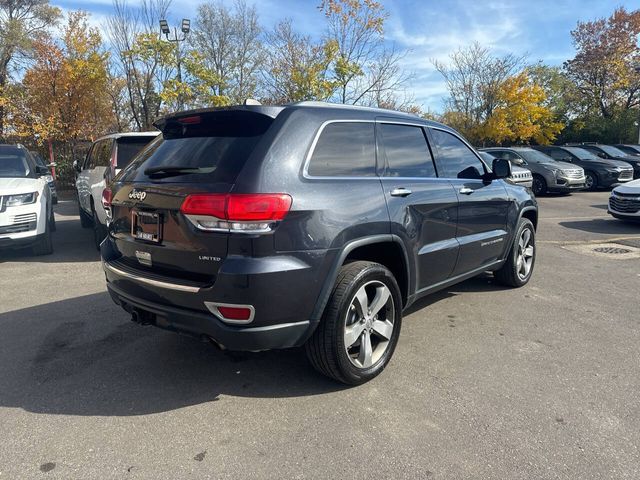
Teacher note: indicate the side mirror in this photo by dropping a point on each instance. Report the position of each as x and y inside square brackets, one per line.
[76, 166]
[602, 155]
[501, 168]
[42, 170]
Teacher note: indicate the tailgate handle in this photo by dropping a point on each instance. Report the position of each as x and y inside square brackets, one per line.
[400, 192]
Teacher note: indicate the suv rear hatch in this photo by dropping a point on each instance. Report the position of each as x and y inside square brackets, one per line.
[198, 152]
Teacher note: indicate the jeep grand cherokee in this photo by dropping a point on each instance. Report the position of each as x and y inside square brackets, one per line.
[313, 224]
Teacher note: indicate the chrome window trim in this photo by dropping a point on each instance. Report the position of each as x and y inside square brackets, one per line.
[149, 281]
[305, 169]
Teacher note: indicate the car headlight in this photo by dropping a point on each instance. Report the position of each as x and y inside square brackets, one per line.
[556, 171]
[22, 199]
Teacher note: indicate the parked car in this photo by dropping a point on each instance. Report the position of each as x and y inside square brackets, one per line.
[26, 211]
[624, 202]
[308, 224]
[598, 172]
[106, 157]
[612, 153]
[629, 149]
[519, 175]
[548, 174]
[49, 176]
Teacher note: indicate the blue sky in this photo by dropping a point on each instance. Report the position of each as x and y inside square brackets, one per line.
[432, 29]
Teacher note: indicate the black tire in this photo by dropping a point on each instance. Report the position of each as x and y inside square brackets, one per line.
[85, 220]
[52, 221]
[590, 181]
[44, 246]
[99, 232]
[326, 348]
[510, 273]
[539, 186]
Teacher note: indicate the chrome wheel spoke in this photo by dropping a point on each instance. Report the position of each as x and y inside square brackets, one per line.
[366, 351]
[353, 333]
[383, 328]
[362, 302]
[380, 300]
[528, 252]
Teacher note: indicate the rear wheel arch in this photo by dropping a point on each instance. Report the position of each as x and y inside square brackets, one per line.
[388, 250]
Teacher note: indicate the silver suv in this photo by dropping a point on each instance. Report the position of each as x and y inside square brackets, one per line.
[549, 175]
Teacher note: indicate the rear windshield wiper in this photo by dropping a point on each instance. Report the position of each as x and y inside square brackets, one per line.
[170, 171]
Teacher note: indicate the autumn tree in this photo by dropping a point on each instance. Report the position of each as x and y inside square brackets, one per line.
[366, 70]
[142, 59]
[297, 68]
[228, 53]
[520, 114]
[473, 76]
[21, 21]
[605, 67]
[64, 93]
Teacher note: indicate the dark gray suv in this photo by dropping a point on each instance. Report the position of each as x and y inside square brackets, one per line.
[308, 224]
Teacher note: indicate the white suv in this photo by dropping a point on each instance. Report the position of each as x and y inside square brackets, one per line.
[26, 211]
[106, 157]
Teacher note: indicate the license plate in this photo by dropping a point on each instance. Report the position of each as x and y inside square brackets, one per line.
[146, 226]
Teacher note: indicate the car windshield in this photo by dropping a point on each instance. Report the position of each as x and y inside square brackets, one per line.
[613, 151]
[582, 154]
[13, 162]
[534, 156]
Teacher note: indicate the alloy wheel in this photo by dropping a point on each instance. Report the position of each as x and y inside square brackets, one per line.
[369, 324]
[588, 181]
[526, 251]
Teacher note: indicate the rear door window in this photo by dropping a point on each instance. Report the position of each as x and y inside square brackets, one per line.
[345, 149]
[208, 148]
[103, 153]
[407, 151]
[129, 147]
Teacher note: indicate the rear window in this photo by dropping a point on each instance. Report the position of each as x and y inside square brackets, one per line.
[212, 147]
[128, 147]
[345, 149]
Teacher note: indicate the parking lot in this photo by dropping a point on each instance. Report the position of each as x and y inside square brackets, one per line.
[487, 382]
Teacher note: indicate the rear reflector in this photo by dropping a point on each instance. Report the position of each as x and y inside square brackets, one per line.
[231, 313]
[235, 313]
[259, 207]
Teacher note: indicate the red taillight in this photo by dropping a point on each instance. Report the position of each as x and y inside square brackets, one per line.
[213, 205]
[107, 196]
[194, 120]
[259, 207]
[235, 313]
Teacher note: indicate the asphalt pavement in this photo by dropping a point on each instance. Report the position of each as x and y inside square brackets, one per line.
[486, 383]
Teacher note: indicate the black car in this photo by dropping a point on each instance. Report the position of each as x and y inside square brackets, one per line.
[612, 153]
[262, 227]
[598, 172]
[629, 149]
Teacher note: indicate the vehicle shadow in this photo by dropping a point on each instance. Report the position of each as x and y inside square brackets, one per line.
[71, 242]
[609, 226]
[482, 283]
[603, 206]
[83, 356]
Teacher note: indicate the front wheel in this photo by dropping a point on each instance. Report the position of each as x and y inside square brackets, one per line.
[590, 181]
[517, 270]
[360, 326]
[539, 185]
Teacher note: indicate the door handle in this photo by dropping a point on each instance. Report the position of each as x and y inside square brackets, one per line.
[400, 192]
[466, 190]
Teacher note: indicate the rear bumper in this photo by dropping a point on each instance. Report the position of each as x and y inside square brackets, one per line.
[207, 325]
[283, 291]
